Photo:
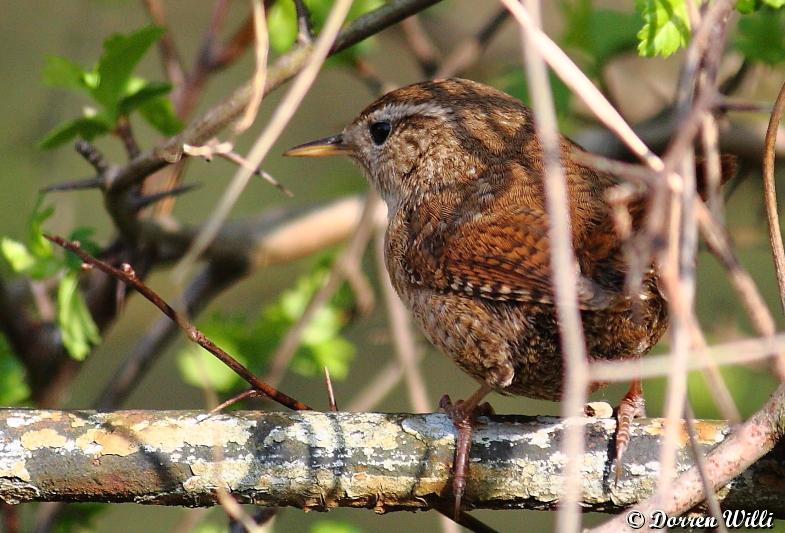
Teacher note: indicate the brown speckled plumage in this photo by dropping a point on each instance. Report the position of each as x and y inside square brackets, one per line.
[467, 245]
[460, 167]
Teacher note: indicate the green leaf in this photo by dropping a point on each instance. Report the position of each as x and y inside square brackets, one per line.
[333, 526]
[77, 327]
[148, 91]
[666, 27]
[87, 128]
[599, 33]
[336, 353]
[748, 6]
[16, 254]
[39, 245]
[61, 72]
[200, 368]
[121, 55]
[761, 36]
[282, 26]
[13, 388]
[159, 113]
[776, 4]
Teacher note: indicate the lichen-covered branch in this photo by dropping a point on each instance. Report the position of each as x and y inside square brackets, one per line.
[318, 461]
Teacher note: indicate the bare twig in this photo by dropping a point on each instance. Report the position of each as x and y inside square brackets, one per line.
[468, 52]
[770, 193]
[304, 27]
[402, 335]
[92, 155]
[170, 58]
[275, 127]
[422, 47]
[564, 275]
[128, 276]
[700, 463]
[261, 49]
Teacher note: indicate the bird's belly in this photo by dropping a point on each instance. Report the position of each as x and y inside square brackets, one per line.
[514, 347]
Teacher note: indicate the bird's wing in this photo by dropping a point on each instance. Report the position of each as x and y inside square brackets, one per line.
[506, 258]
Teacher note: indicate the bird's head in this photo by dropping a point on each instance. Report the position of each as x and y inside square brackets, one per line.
[428, 137]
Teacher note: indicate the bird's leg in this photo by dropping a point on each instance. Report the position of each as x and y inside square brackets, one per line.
[463, 414]
[631, 406]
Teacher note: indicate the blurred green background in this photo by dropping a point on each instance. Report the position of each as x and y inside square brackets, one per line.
[35, 28]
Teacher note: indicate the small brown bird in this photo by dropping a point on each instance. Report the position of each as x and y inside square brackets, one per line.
[459, 165]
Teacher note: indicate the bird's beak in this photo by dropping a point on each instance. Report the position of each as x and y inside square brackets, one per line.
[333, 145]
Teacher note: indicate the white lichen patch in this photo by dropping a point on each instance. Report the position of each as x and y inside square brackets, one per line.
[438, 430]
[23, 418]
[14, 469]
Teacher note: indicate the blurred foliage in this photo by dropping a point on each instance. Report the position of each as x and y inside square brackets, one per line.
[112, 86]
[333, 526]
[597, 34]
[282, 25]
[761, 36]
[37, 260]
[252, 342]
[78, 517]
[13, 388]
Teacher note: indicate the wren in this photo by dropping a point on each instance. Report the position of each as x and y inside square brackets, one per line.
[459, 165]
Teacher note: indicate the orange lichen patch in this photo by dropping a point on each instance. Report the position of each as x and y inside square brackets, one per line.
[100, 442]
[169, 435]
[710, 431]
[42, 438]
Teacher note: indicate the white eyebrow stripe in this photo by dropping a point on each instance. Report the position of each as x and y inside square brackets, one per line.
[401, 110]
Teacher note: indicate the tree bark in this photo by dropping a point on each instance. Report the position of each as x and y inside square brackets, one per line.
[318, 461]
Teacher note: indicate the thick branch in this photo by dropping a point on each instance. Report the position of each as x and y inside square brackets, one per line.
[323, 460]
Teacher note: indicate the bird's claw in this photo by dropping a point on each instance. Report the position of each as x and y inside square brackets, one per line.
[464, 420]
[631, 406]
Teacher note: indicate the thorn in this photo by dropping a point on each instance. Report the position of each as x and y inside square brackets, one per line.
[330, 393]
[89, 183]
[239, 160]
[250, 393]
[146, 201]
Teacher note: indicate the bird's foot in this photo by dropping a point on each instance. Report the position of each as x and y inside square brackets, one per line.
[464, 416]
[631, 406]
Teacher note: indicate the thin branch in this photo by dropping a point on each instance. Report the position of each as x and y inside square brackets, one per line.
[128, 276]
[402, 336]
[422, 47]
[170, 58]
[468, 52]
[770, 193]
[281, 116]
[565, 281]
[261, 49]
[305, 33]
[92, 155]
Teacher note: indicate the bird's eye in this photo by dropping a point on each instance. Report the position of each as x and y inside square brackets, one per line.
[380, 131]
